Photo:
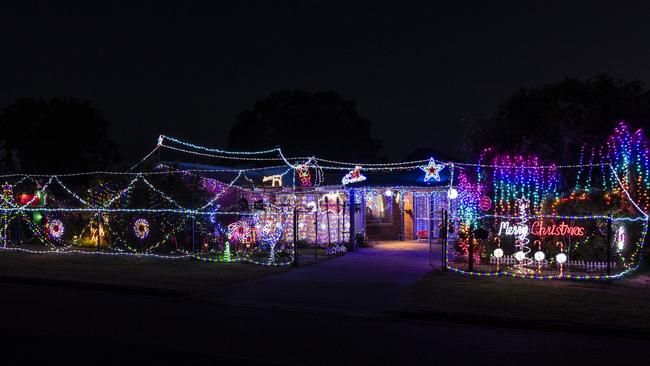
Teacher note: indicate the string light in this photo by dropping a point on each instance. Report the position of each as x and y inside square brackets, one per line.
[623, 162]
[141, 228]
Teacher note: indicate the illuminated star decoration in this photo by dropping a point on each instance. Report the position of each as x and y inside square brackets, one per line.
[432, 170]
[353, 176]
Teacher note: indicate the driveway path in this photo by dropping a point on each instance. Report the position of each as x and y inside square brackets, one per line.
[371, 280]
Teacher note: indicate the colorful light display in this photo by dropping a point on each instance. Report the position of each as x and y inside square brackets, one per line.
[353, 176]
[55, 228]
[303, 174]
[141, 228]
[538, 228]
[614, 175]
[276, 180]
[241, 232]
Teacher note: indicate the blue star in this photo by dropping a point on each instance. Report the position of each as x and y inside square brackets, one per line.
[432, 170]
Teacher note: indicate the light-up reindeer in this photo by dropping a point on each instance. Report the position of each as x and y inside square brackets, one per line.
[276, 180]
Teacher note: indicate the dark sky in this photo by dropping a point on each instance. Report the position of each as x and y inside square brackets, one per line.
[414, 69]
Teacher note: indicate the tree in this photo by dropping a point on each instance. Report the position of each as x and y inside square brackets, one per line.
[57, 136]
[9, 160]
[424, 153]
[305, 124]
[554, 121]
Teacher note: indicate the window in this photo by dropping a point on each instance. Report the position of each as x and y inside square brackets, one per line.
[379, 209]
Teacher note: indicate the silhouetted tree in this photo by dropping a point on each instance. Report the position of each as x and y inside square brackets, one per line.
[9, 160]
[553, 121]
[305, 124]
[423, 153]
[60, 135]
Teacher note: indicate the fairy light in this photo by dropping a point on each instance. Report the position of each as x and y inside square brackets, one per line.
[141, 228]
[353, 176]
[623, 162]
[56, 228]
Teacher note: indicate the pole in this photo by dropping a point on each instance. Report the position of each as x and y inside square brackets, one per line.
[443, 248]
[327, 217]
[316, 230]
[401, 211]
[4, 230]
[338, 221]
[295, 236]
[316, 236]
[430, 236]
[471, 248]
[609, 237]
[99, 237]
[352, 232]
[609, 245]
[193, 221]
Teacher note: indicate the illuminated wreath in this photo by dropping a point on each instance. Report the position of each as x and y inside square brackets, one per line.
[56, 228]
[141, 228]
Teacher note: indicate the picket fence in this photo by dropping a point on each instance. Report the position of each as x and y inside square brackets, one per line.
[583, 265]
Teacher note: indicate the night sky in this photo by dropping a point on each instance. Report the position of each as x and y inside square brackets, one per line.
[414, 69]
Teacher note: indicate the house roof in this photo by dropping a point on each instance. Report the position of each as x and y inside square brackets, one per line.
[332, 178]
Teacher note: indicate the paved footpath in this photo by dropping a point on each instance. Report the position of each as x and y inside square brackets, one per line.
[371, 281]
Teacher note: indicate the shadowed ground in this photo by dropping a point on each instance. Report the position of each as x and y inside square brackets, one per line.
[371, 280]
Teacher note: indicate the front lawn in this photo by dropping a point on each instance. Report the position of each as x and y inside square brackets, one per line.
[183, 275]
[619, 303]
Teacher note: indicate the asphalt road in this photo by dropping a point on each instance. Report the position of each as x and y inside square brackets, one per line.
[49, 325]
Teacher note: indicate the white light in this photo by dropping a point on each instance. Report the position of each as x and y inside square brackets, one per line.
[498, 253]
[539, 256]
[388, 193]
[620, 238]
[520, 255]
[560, 258]
[453, 193]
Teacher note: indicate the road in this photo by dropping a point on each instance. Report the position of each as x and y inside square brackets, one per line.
[44, 324]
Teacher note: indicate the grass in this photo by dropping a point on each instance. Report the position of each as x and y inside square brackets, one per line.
[185, 275]
[618, 304]
[182, 275]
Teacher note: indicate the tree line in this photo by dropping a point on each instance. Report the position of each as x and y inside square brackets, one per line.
[551, 121]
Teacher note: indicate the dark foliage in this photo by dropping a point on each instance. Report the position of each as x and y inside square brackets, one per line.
[304, 124]
[60, 135]
[553, 121]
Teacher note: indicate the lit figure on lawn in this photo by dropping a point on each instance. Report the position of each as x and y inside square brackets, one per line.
[521, 244]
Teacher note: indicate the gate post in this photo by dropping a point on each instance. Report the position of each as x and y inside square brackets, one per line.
[295, 236]
[193, 222]
[351, 229]
[430, 236]
[609, 245]
[99, 233]
[470, 252]
[444, 232]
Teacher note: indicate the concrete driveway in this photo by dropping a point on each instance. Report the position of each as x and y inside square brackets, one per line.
[372, 280]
